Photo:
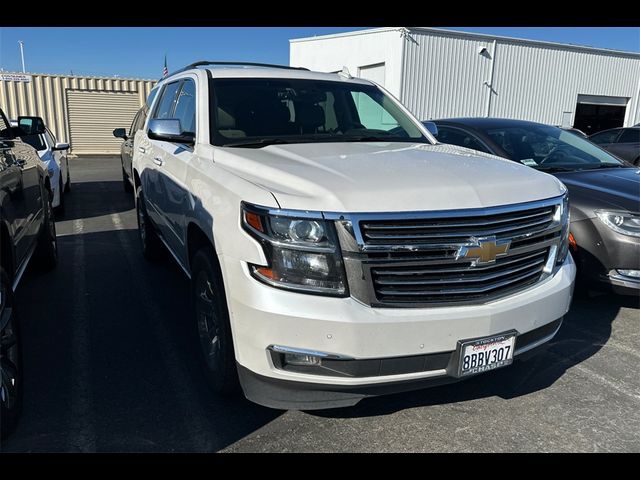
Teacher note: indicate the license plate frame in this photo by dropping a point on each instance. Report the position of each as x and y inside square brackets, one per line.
[500, 340]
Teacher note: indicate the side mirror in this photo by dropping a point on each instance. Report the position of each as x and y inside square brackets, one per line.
[31, 125]
[169, 130]
[61, 146]
[432, 127]
[120, 133]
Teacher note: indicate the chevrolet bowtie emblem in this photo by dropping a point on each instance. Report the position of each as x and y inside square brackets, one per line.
[486, 250]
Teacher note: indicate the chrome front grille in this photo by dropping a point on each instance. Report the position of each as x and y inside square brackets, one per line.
[438, 258]
[444, 283]
[457, 229]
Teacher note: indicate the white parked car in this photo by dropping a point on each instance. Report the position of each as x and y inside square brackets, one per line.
[335, 249]
[54, 156]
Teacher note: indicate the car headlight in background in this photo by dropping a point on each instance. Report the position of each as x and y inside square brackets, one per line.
[562, 216]
[626, 223]
[302, 251]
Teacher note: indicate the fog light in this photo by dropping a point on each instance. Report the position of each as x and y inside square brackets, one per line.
[629, 273]
[301, 359]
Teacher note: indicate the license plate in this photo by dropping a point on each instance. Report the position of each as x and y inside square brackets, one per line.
[484, 354]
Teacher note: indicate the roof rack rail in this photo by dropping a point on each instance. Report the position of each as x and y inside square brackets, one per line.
[246, 64]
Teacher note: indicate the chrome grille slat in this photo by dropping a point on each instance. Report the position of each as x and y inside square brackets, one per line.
[456, 291]
[453, 234]
[386, 225]
[417, 259]
[460, 279]
[465, 268]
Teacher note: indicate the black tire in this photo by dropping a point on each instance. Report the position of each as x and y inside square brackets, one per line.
[211, 327]
[11, 389]
[126, 184]
[67, 187]
[60, 207]
[46, 254]
[149, 241]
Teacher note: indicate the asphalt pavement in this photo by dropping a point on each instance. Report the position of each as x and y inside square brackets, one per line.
[109, 366]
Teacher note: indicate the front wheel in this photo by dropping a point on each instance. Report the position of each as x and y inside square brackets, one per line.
[10, 359]
[212, 329]
[47, 249]
[149, 241]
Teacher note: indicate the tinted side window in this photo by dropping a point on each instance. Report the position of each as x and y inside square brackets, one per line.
[50, 140]
[461, 138]
[4, 131]
[134, 124]
[605, 137]
[52, 136]
[167, 101]
[630, 136]
[186, 107]
[139, 122]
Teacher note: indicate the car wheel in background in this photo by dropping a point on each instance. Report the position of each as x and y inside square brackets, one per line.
[149, 241]
[67, 187]
[126, 184]
[211, 327]
[46, 254]
[10, 359]
[60, 207]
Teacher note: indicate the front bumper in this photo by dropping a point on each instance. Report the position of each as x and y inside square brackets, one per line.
[262, 316]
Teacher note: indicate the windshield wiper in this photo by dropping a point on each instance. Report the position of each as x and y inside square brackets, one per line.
[543, 168]
[604, 165]
[259, 143]
[379, 138]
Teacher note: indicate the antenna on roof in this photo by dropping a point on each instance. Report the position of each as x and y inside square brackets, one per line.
[345, 72]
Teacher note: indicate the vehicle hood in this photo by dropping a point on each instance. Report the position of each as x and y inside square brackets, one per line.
[614, 188]
[383, 176]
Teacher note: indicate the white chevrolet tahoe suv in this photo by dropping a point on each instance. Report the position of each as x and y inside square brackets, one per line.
[335, 249]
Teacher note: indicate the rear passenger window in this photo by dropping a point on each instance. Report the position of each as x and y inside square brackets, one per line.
[186, 107]
[605, 137]
[167, 101]
[454, 136]
[630, 136]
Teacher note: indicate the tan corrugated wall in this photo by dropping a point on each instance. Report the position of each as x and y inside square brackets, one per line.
[46, 96]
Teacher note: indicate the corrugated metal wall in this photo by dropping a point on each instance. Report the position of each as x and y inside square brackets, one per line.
[445, 75]
[540, 83]
[46, 96]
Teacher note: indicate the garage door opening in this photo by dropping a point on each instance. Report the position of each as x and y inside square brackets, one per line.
[93, 115]
[596, 113]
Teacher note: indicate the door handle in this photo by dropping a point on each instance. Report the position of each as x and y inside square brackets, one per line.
[158, 161]
[142, 150]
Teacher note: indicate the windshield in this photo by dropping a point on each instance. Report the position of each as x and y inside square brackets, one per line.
[36, 141]
[262, 111]
[550, 148]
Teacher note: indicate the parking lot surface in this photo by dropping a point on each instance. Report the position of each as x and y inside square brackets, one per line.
[109, 366]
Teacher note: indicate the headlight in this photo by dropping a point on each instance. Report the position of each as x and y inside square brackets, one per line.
[302, 251]
[562, 216]
[625, 223]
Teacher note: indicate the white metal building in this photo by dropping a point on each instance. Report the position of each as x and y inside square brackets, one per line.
[442, 73]
[82, 111]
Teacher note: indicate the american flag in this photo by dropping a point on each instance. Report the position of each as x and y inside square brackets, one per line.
[165, 70]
